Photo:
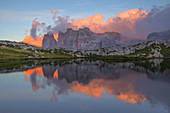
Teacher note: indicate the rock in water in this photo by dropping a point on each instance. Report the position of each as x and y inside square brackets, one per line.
[159, 36]
[48, 41]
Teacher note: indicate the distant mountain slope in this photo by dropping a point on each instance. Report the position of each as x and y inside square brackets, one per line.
[159, 36]
[146, 49]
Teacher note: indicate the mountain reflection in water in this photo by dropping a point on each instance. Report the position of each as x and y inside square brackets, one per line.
[130, 82]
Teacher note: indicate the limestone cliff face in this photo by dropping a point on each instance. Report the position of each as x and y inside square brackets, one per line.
[159, 36]
[48, 41]
[85, 39]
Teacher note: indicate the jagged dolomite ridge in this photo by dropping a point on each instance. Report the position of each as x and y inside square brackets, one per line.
[85, 39]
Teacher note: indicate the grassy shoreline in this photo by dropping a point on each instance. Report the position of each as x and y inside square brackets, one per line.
[114, 57]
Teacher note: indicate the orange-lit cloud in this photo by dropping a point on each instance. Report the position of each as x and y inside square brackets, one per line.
[38, 42]
[26, 32]
[92, 89]
[131, 98]
[35, 87]
[55, 75]
[122, 90]
[33, 31]
[123, 22]
[36, 25]
[33, 73]
[37, 71]
[31, 41]
[133, 23]
[54, 13]
[95, 23]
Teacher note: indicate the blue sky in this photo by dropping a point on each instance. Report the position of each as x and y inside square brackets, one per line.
[17, 15]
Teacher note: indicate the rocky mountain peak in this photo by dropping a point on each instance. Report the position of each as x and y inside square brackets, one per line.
[85, 39]
[48, 41]
[85, 29]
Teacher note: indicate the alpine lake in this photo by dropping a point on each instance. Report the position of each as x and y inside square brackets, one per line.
[85, 86]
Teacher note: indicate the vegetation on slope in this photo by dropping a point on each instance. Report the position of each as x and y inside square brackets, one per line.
[151, 49]
[7, 52]
[165, 51]
[134, 52]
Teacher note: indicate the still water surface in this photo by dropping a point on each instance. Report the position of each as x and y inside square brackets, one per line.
[86, 86]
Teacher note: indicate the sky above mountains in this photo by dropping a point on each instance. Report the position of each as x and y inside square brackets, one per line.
[18, 16]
